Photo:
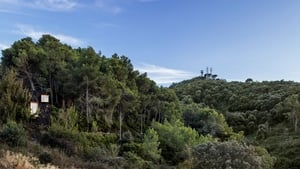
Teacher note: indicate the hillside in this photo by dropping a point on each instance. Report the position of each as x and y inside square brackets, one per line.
[266, 112]
[74, 107]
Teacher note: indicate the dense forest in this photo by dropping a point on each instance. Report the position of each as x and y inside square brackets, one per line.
[102, 113]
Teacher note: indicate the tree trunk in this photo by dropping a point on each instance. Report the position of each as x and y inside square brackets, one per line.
[56, 93]
[142, 115]
[51, 88]
[30, 80]
[120, 120]
[296, 124]
[63, 103]
[158, 111]
[86, 101]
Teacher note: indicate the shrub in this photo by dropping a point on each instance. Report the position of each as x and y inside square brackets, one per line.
[45, 158]
[174, 138]
[136, 161]
[267, 160]
[14, 134]
[131, 147]
[150, 146]
[74, 142]
[231, 155]
[93, 154]
[113, 150]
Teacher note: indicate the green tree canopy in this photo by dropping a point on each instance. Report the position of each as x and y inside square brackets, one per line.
[230, 155]
[207, 121]
[150, 146]
[293, 103]
[175, 138]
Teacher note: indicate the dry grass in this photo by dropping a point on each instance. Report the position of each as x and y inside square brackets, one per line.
[26, 158]
[11, 160]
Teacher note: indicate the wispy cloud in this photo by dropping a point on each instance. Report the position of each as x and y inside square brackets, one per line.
[53, 5]
[3, 46]
[162, 75]
[11, 11]
[9, 1]
[112, 6]
[116, 6]
[30, 31]
[49, 5]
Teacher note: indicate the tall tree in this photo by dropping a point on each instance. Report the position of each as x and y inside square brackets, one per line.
[294, 115]
[1, 70]
[168, 105]
[126, 108]
[148, 109]
[86, 76]
[14, 99]
[24, 57]
[54, 65]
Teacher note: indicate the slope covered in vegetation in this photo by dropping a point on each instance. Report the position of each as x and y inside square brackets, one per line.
[266, 112]
[104, 114]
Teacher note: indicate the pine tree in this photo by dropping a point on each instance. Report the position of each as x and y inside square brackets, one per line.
[14, 100]
[150, 145]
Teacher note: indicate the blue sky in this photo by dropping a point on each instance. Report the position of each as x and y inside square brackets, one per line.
[172, 40]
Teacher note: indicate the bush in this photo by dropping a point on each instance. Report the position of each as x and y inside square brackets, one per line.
[45, 158]
[131, 147]
[74, 142]
[267, 160]
[93, 154]
[150, 146]
[14, 134]
[136, 161]
[174, 138]
[231, 155]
